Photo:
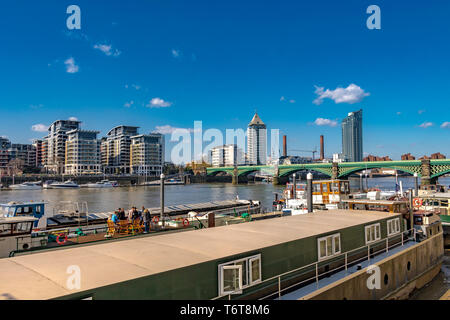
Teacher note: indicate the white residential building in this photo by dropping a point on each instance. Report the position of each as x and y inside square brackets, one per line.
[226, 156]
[256, 142]
[147, 154]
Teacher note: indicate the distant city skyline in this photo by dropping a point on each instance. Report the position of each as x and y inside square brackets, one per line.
[162, 66]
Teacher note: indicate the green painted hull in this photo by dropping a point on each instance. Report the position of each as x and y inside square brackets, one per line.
[445, 218]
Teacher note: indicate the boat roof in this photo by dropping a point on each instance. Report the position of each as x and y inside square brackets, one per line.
[118, 261]
[374, 201]
[15, 203]
[17, 219]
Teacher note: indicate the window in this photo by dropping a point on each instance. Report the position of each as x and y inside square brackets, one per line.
[239, 274]
[393, 226]
[5, 229]
[324, 187]
[329, 246]
[373, 233]
[316, 187]
[335, 187]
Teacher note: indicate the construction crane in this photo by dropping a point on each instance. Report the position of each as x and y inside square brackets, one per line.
[312, 151]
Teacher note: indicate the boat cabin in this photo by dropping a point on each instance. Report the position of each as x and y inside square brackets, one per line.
[15, 235]
[27, 209]
[435, 202]
[376, 205]
[324, 191]
[431, 188]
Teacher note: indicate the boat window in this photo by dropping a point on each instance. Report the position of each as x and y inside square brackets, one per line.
[231, 279]
[324, 187]
[329, 246]
[5, 229]
[249, 274]
[255, 270]
[316, 187]
[19, 210]
[372, 233]
[38, 209]
[21, 227]
[393, 226]
[335, 187]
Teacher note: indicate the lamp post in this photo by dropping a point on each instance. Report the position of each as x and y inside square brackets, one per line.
[162, 176]
[309, 178]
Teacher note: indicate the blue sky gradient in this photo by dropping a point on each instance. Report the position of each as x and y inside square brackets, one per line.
[219, 61]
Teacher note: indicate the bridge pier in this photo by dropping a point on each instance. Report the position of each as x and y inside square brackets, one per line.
[334, 171]
[235, 176]
[425, 168]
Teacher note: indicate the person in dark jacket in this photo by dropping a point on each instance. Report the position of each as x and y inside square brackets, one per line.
[146, 217]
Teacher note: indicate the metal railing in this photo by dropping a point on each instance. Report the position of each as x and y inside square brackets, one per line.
[314, 267]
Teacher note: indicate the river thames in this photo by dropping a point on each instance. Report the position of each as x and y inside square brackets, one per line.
[106, 200]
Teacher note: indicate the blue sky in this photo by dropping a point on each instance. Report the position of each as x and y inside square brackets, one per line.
[168, 63]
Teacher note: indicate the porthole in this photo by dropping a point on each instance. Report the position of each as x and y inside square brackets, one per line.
[386, 279]
[25, 246]
[408, 266]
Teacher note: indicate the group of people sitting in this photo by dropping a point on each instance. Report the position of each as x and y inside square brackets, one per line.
[134, 215]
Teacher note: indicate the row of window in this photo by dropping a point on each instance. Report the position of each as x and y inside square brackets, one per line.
[243, 273]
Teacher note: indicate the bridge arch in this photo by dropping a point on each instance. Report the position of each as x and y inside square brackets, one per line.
[216, 172]
[438, 174]
[285, 173]
[348, 172]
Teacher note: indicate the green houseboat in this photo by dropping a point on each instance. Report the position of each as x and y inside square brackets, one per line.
[289, 257]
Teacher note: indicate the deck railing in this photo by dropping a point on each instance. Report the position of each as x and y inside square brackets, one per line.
[404, 236]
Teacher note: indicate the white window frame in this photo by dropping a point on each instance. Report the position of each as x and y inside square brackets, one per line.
[333, 246]
[250, 282]
[377, 237]
[396, 223]
[250, 278]
[231, 267]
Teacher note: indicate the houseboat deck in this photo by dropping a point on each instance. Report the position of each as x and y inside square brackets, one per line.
[111, 263]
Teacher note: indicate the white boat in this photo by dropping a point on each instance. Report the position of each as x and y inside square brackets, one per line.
[69, 184]
[102, 184]
[26, 186]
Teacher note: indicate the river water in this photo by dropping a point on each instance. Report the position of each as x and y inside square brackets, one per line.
[105, 200]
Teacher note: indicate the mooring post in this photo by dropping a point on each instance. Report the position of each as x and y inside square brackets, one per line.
[309, 185]
[416, 184]
[411, 216]
[294, 191]
[162, 176]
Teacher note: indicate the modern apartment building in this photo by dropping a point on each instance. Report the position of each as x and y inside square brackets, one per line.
[5, 144]
[56, 144]
[352, 138]
[115, 149]
[82, 152]
[147, 154]
[227, 155]
[256, 142]
[24, 152]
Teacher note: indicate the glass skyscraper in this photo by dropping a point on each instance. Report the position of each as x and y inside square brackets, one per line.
[352, 139]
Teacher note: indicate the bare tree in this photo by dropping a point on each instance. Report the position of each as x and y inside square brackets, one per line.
[15, 166]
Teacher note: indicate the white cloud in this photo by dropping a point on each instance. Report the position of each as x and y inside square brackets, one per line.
[445, 125]
[107, 49]
[158, 103]
[420, 111]
[39, 127]
[325, 122]
[135, 86]
[176, 53]
[73, 119]
[292, 101]
[351, 94]
[168, 129]
[426, 124]
[282, 98]
[399, 113]
[36, 106]
[71, 67]
[128, 104]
